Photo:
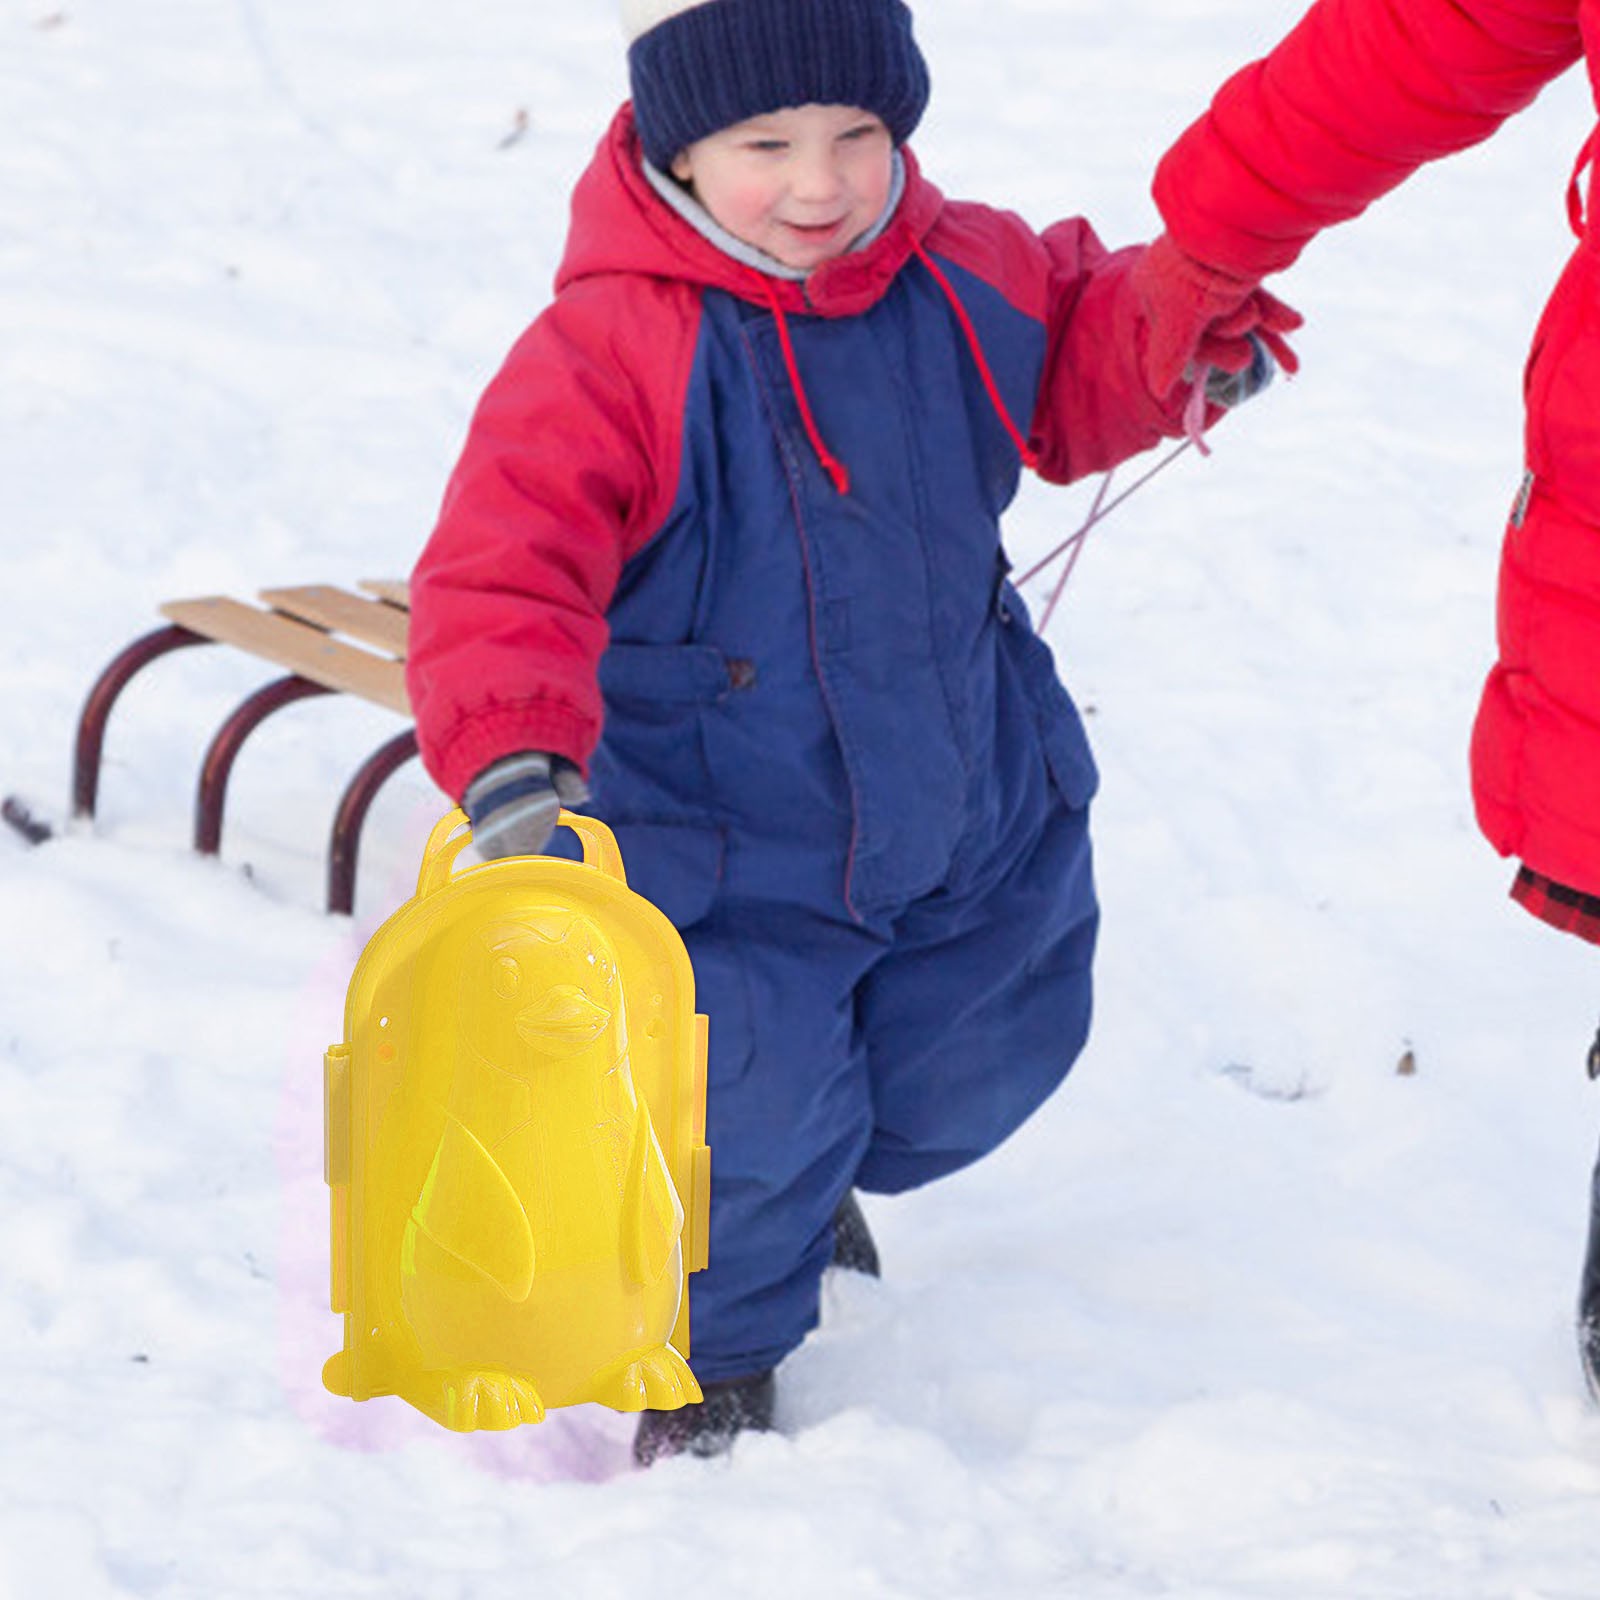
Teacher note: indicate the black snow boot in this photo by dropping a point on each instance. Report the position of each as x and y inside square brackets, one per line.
[708, 1428]
[1589, 1294]
[853, 1246]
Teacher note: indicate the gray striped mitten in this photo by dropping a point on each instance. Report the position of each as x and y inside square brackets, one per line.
[513, 804]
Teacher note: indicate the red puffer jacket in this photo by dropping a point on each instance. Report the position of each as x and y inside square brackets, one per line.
[1359, 95]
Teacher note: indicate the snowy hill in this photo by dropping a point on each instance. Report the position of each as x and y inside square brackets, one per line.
[1247, 1312]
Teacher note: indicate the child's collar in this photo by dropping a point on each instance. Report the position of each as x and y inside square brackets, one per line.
[709, 229]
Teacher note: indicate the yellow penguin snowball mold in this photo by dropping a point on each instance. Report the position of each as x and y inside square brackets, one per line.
[515, 1144]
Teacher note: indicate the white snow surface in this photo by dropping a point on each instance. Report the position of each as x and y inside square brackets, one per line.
[1245, 1312]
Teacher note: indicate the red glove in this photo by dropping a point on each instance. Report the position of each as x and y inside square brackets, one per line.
[1199, 318]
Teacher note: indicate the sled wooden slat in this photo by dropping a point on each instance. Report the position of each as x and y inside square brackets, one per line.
[395, 591]
[302, 648]
[369, 621]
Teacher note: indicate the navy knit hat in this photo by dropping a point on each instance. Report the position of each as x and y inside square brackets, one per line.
[697, 66]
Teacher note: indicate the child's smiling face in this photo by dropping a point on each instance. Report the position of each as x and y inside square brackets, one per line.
[801, 184]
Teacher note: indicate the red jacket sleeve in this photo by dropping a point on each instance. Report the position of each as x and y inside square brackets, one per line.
[1358, 96]
[569, 467]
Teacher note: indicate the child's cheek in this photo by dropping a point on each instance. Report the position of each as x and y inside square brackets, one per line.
[872, 175]
[750, 199]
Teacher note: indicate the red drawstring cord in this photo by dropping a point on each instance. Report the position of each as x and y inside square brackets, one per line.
[840, 477]
[1194, 418]
[835, 468]
[1030, 456]
[837, 471]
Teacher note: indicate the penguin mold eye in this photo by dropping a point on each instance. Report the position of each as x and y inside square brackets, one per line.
[507, 977]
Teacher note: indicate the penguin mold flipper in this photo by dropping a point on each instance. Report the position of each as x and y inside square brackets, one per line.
[658, 1380]
[464, 1399]
[470, 1208]
[652, 1216]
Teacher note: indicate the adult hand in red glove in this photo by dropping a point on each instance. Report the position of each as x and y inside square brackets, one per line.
[1198, 318]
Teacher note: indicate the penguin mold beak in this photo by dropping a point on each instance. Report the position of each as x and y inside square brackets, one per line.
[562, 1020]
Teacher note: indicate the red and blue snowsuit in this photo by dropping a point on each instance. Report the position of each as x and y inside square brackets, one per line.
[731, 543]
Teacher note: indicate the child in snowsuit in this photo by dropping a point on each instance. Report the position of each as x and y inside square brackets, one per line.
[724, 545]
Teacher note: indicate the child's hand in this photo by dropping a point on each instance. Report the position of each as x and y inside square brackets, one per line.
[1201, 320]
[1230, 389]
[513, 804]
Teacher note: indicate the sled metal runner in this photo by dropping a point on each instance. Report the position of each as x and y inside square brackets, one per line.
[330, 640]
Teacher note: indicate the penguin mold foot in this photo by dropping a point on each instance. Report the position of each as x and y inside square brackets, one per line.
[336, 1374]
[658, 1380]
[465, 1399]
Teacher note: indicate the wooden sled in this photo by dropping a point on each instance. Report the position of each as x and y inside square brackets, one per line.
[330, 640]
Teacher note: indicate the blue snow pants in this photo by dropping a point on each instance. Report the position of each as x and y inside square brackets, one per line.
[879, 1049]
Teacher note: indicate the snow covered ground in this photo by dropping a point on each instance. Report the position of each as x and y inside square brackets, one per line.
[1246, 1313]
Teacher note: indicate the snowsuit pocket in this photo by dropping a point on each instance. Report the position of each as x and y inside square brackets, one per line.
[651, 765]
[664, 675]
